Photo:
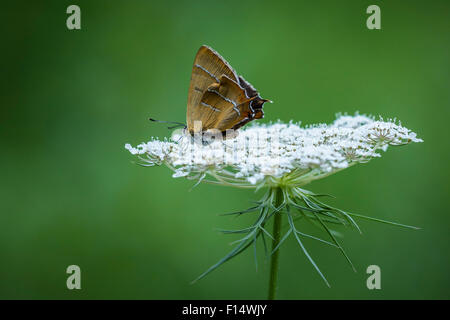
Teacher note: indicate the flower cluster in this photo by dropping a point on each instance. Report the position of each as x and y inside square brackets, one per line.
[278, 153]
[282, 157]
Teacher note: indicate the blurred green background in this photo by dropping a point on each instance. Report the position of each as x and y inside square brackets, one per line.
[70, 193]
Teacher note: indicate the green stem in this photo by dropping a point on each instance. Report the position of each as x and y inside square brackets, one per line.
[276, 239]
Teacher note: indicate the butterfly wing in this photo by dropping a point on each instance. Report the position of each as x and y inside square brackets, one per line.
[208, 68]
[225, 104]
[246, 103]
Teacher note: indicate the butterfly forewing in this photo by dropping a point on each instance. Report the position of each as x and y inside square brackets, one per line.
[208, 67]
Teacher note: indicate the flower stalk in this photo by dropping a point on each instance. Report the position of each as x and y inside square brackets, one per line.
[274, 259]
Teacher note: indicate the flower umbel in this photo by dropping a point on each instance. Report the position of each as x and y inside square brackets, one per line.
[276, 154]
[282, 157]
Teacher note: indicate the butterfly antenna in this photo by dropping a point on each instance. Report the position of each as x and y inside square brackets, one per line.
[177, 124]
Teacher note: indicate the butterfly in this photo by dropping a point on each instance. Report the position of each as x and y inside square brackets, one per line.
[218, 97]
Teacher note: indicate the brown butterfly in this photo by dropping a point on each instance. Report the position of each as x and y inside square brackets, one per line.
[218, 97]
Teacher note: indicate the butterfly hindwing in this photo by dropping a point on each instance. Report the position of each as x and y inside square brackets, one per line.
[226, 103]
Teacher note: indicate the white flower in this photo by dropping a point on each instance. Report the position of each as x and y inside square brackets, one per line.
[282, 157]
[277, 153]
